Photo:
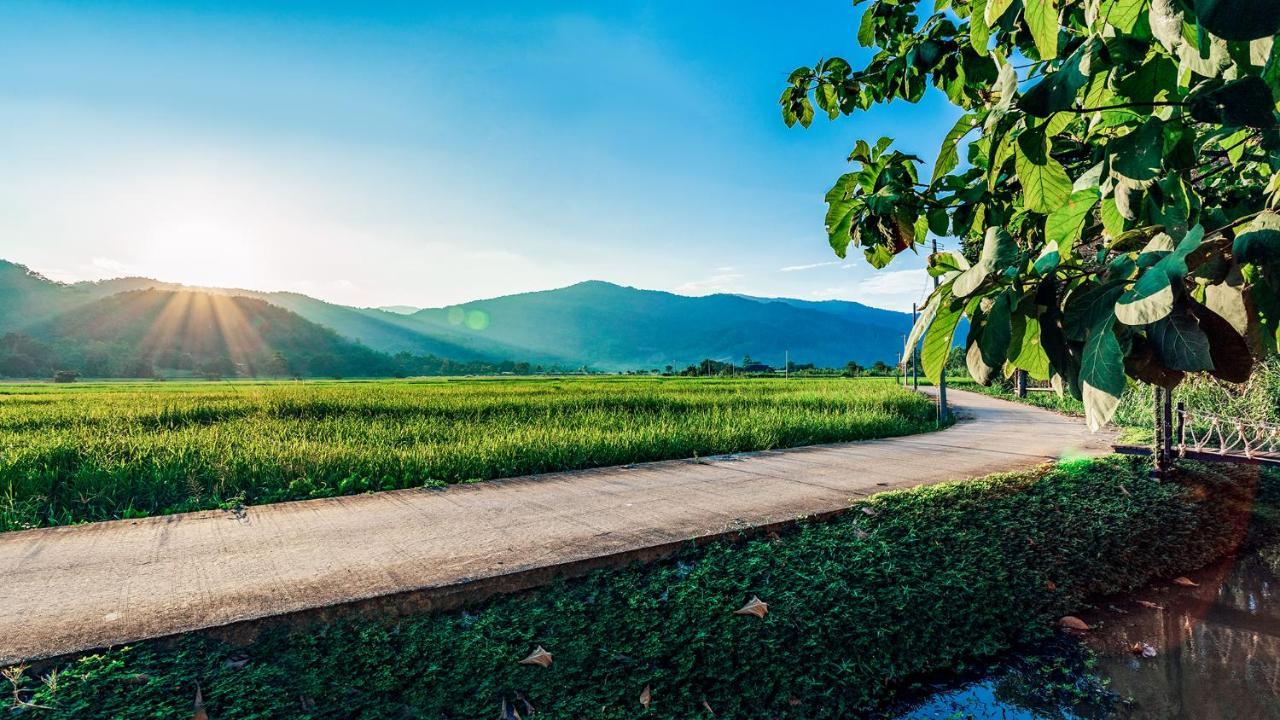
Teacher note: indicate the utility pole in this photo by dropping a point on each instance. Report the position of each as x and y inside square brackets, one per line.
[915, 373]
[942, 379]
[900, 369]
[786, 366]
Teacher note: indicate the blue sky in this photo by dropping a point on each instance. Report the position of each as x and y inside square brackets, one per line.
[431, 153]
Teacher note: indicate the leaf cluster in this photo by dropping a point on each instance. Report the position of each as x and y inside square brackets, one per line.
[1113, 178]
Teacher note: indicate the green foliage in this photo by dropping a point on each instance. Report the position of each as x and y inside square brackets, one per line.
[860, 608]
[1127, 155]
[97, 452]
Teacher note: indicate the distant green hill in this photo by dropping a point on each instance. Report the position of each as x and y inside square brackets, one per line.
[594, 324]
[139, 332]
[26, 297]
[612, 327]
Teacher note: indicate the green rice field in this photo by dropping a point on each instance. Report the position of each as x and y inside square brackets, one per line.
[90, 452]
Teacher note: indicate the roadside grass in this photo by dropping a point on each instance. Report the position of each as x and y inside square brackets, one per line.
[96, 452]
[861, 609]
[1257, 400]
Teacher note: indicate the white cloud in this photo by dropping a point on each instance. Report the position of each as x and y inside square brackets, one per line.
[110, 267]
[718, 282]
[796, 268]
[893, 290]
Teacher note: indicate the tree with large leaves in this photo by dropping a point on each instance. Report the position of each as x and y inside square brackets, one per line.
[1114, 179]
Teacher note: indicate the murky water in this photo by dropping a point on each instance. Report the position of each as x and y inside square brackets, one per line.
[1216, 657]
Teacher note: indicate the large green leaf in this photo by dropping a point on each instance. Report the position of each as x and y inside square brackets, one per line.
[1239, 19]
[1200, 54]
[1048, 260]
[938, 340]
[995, 9]
[1247, 102]
[1228, 350]
[979, 29]
[1102, 373]
[1057, 91]
[979, 370]
[841, 210]
[1123, 14]
[997, 331]
[1259, 242]
[1045, 184]
[1233, 301]
[1112, 220]
[926, 315]
[1180, 342]
[947, 262]
[1062, 227]
[998, 251]
[1266, 293]
[1150, 299]
[1042, 18]
[867, 28]
[1027, 352]
[1155, 80]
[1137, 156]
[1153, 296]
[948, 156]
[1089, 306]
[1142, 363]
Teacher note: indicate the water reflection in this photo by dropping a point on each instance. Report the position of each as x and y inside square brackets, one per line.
[1218, 645]
[1217, 657]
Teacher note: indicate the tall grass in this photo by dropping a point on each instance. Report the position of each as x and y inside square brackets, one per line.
[1257, 400]
[72, 454]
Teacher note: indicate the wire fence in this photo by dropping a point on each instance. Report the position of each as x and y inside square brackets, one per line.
[1203, 432]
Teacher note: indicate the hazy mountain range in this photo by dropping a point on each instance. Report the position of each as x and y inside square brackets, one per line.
[119, 326]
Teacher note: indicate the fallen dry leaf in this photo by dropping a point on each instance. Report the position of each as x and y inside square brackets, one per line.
[869, 511]
[1071, 622]
[755, 606]
[235, 662]
[646, 697]
[1149, 605]
[539, 657]
[1142, 649]
[1185, 581]
[199, 714]
[710, 712]
[1050, 585]
[508, 712]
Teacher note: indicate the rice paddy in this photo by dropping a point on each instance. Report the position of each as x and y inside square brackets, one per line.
[124, 450]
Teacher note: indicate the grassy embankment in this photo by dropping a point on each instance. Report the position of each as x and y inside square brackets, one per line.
[96, 452]
[860, 609]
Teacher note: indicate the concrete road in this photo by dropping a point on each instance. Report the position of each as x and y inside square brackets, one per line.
[71, 589]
